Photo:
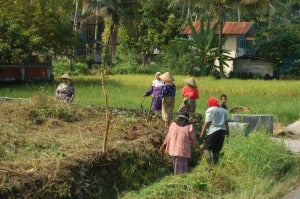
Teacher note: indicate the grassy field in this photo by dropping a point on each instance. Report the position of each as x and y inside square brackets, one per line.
[250, 167]
[278, 97]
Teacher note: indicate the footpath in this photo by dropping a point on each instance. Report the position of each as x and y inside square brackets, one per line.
[294, 146]
[294, 194]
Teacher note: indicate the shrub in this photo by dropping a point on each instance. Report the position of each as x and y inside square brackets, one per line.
[244, 75]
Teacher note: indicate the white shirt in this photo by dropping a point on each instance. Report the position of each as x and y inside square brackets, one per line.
[158, 83]
[217, 116]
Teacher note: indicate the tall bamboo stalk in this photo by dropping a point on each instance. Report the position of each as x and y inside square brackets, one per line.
[107, 114]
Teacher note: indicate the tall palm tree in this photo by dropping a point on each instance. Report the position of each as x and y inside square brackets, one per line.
[104, 9]
[257, 4]
[188, 7]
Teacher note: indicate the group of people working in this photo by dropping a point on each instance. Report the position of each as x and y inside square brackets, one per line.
[181, 133]
[163, 91]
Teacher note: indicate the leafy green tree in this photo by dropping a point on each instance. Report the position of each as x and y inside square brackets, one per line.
[53, 27]
[179, 58]
[47, 23]
[280, 40]
[14, 42]
[157, 26]
[98, 10]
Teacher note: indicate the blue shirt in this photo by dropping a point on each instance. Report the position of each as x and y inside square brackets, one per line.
[168, 90]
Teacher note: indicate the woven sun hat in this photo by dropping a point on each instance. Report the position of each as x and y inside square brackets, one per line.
[184, 115]
[65, 76]
[167, 76]
[191, 81]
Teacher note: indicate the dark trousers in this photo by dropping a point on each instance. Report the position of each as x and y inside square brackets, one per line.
[214, 142]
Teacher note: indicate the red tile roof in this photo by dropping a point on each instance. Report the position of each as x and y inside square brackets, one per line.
[230, 28]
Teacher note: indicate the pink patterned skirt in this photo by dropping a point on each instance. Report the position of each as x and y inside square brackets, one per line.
[180, 165]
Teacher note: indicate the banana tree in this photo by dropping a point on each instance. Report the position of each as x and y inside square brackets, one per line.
[205, 46]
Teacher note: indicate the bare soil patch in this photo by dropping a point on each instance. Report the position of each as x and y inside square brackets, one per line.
[54, 150]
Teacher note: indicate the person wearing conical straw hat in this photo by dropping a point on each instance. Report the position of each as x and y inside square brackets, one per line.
[65, 91]
[167, 95]
[177, 143]
[190, 94]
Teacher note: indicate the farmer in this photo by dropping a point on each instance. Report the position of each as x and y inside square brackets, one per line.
[168, 98]
[155, 90]
[65, 90]
[190, 94]
[215, 128]
[223, 99]
[177, 143]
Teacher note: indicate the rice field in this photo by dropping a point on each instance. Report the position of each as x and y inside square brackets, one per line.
[278, 97]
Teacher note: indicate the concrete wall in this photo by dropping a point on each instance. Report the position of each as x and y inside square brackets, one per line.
[247, 65]
[255, 121]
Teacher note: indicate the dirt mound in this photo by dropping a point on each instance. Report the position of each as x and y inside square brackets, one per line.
[54, 150]
[291, 130]
[239, 109]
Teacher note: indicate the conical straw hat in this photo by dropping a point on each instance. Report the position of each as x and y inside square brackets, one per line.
[65, 76]
[191, 81]
[167, 77]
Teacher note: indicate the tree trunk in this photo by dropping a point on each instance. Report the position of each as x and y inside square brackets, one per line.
[238, 11]
[113, 37]
[221, 19]
[75, 21]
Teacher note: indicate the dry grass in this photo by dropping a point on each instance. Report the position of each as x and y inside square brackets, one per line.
[43, 143]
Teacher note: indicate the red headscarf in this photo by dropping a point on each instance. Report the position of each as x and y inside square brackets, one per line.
[212, 101]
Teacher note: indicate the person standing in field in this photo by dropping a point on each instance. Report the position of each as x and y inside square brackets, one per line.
[190, 94]
[65, 91]
[177, 143]
[215, 128]
[167, 95]
[154, 91]
[223, 99]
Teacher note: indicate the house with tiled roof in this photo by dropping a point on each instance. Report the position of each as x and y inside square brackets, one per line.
[240, 37]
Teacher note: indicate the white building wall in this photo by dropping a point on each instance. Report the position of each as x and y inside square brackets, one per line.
[231, 45]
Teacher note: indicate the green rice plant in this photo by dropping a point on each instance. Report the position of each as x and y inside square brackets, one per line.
[277, 97]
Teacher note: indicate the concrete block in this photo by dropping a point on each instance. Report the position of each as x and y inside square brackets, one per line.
[238, 127]
[256, 121]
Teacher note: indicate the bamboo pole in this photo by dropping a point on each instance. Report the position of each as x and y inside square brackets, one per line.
[107, 114]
